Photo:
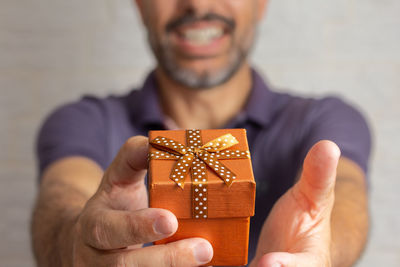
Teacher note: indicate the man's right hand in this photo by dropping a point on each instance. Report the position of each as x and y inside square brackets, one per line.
[116, 221]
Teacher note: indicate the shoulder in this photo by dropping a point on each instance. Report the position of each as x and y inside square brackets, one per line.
[338, 115]
[80, 128]
[335, 106]
[333, 118]
[306, 120]
[87, 114]
[311, 111]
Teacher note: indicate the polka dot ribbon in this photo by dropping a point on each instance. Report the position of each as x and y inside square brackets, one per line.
[195, 158]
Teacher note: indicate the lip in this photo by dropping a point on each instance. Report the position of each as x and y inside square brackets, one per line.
[189, 49]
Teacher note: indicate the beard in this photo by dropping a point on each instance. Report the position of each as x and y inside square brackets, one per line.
[207, 78]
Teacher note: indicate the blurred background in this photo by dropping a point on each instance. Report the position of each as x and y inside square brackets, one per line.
[53, 51]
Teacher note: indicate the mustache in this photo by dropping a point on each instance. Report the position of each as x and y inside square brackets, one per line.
[190, 18]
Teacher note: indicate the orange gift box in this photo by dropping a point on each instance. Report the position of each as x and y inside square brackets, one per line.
[205, 178]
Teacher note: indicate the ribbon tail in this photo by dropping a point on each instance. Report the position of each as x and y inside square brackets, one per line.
[199, 190]
[223, 172]
[181, 169]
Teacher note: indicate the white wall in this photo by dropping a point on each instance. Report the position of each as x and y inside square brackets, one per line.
[52, 51]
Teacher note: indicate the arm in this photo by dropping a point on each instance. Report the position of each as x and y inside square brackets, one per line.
[65, 188]
[349, 215]
[86, 218]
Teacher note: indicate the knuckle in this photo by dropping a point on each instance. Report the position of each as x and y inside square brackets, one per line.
[126, 260]
[98, 233]
[120, 261]
[83, 223]
[79, 226]
[170, 256]
[133, 229]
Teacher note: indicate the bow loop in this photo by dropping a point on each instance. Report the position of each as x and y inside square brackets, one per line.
[220, 143]
[169, 145]
[220, 169]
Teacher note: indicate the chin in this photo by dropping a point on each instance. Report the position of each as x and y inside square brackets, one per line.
[201, 79]
[201, 73]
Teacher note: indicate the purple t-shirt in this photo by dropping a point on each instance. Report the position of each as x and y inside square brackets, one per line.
[281, 128]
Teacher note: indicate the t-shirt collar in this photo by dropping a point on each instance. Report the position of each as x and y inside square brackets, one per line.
[259, 107]
[145, 105]
[146, 109]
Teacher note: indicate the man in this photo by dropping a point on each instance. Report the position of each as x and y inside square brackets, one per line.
[92, 206]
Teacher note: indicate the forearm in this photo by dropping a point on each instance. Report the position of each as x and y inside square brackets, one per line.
[53, 218]
[349, 218]
[58, 205]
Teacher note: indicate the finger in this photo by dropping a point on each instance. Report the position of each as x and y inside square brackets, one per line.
[317, 181]
[183, 253]
[113, 229]
[284, 259]
[129, 166]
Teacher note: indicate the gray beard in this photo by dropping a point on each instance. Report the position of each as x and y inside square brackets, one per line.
[204, 80]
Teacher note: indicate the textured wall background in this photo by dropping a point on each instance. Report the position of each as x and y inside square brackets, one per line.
[53, 51]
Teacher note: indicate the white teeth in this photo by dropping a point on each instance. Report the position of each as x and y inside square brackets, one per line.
[202, 36]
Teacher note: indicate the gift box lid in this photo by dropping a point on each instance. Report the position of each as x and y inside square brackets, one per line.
[224, 200]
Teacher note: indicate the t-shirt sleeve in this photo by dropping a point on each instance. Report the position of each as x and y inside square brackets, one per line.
[75, 129]
[332, 119]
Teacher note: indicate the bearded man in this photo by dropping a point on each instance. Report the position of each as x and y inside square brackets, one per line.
[92, 207]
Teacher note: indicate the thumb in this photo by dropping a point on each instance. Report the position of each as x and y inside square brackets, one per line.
[130, 164]
[318, 178]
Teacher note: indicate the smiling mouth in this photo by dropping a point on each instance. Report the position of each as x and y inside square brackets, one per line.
[201, 36]
[201, 32]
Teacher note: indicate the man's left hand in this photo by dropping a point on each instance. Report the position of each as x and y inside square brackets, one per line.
[298, 230]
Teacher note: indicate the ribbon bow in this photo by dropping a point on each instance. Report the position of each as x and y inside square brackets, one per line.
[195, 157]
[189, 156]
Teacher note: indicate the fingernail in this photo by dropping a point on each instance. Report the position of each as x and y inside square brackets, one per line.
[162, 226]
[276, 264]
[202, 252]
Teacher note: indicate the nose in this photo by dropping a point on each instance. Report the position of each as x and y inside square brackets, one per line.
[197, 7]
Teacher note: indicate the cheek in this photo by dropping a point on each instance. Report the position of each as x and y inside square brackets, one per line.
[245, 15]
[244, 33]
[158, 13]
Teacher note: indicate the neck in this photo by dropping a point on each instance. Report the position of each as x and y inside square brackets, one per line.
[204, 109]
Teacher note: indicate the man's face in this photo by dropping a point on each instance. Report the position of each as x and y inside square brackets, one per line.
[201, 43]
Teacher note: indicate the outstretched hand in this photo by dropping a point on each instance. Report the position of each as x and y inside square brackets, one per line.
[298, 232]
[116, 221]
